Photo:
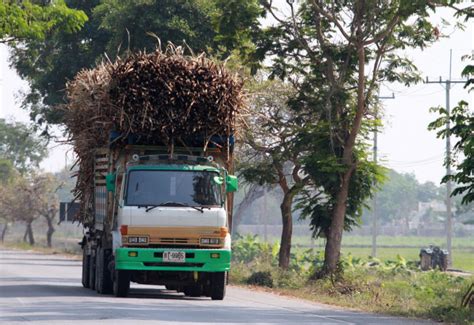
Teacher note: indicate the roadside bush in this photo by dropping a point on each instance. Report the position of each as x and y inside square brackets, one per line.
[394, 287]
[263, 279]
[248, 248]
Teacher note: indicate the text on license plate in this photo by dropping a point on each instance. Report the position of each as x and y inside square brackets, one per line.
[174, 256]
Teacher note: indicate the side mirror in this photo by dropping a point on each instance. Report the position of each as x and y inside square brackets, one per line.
[218, 180]
[110, 182]
[232, 183]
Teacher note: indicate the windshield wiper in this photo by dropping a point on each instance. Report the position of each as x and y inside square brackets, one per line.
[176, 204]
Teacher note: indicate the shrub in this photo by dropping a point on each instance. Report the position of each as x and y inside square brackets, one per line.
[263, 279]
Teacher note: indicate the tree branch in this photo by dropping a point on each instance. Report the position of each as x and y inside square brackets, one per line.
[332, 19]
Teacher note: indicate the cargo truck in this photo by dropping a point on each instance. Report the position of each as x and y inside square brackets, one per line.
[160, 218]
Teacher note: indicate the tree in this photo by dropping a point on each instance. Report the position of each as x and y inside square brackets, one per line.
[28, 197]
[28, 20]
[45, 201]
[252, 193]
[179, 22]
[113, 28]
[7, 171]
[7, 174]
[324, 48]
[18, 204]
[462, 121]
[398, 198]
[272, 157]
[20, 145]
[20, 152]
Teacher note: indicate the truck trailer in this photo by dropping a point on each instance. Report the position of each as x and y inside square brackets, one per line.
[160, 218]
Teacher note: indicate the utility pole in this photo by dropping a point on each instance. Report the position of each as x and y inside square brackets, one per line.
[449, 216]
[265, 214]
[374, 201]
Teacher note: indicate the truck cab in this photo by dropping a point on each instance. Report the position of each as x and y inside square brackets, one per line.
[168, 223]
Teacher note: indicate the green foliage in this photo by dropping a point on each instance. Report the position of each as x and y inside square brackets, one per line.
[128, 22]
[113, 28]
[20, 145]
[324, 169]
[263, 279]
[462, 128]
[246, 249]
[395, 287]
[316, 49]
[27, 20]
[237, 27]
[7, 171]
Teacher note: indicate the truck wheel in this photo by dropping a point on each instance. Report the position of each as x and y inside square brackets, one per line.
[218, 284]
[121, 283]
[85, 269]
[103, 281]
[171, 287]
[193, 291]
[92, 260]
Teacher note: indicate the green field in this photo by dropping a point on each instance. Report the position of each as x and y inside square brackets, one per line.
[463, 259]
[406, 246]
[415, 241]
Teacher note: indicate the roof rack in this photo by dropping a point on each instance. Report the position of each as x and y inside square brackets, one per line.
[209, 160]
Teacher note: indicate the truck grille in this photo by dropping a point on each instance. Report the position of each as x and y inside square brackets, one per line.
[160, 255]
[173, 264]
[171, 241]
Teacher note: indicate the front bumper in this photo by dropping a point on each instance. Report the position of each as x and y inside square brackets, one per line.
[150, 259]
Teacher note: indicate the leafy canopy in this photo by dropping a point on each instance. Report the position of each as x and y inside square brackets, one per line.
[21, 146]
[27, 20]
[113, 28]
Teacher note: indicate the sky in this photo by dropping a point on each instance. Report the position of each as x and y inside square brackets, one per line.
[404, 144]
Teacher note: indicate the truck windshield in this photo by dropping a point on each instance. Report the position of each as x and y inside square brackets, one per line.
[171, 187]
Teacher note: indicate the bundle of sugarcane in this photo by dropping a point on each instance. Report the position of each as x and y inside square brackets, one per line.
[161, 95]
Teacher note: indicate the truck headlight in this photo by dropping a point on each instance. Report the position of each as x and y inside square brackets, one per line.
[137, 240]
[210, 241]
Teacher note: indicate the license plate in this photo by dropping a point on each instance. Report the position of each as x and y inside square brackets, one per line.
[174, 256]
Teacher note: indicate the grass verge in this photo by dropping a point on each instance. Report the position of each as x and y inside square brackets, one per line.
[41, 249]
[394, 287]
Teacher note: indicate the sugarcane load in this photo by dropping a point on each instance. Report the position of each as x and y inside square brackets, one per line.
[154, 135]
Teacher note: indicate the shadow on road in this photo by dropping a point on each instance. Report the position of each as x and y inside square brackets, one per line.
[179, 312]
[40, 264]
[4, 258]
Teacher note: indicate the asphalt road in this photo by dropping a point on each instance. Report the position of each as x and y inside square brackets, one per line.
[46, 289]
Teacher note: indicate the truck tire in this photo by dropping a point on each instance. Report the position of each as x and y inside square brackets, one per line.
[85, 269]
[92, 260]
[103, 279]
[218, 284]
[193, 291]
[121, 283]
[171, 287]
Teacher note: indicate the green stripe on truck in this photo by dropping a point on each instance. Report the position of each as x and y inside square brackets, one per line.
[147, 260]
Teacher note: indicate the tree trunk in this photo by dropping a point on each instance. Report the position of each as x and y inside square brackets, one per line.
[333, 243]
[287, 231]
[4, 231]
[29, 234]
[332, 251]
[50, 232]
